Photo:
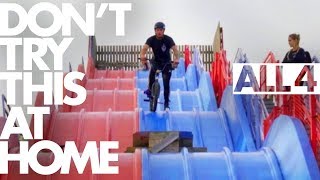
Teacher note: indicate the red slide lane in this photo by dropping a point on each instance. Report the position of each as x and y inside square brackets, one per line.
[110, 84]
[13, 139]
[113, 74]
[81, 127]
[102, 100]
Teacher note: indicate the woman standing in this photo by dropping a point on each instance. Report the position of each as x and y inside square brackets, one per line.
[296, 54]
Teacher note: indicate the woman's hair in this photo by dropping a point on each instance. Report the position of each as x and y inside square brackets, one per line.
[295, 36]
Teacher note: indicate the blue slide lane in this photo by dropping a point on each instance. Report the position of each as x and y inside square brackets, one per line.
[285, 155]
[225, 132]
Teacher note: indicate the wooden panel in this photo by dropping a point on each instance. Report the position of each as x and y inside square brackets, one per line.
[126, 56]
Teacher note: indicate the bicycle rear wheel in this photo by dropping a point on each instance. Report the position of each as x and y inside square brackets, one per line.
[155, 92]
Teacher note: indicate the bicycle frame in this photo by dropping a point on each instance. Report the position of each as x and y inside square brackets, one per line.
[155, 89]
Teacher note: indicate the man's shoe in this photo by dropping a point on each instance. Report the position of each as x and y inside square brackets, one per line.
[148, 93]
[166, 105]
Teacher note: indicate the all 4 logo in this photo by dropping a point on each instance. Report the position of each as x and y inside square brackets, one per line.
[296, 78]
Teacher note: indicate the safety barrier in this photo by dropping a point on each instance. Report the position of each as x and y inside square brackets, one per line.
[220, 74]
[187, 56]
[317, 60]
[263, 79]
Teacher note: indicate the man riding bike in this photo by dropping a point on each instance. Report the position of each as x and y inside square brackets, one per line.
[161, 45]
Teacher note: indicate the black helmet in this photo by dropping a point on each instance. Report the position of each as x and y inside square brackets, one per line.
[159, 25]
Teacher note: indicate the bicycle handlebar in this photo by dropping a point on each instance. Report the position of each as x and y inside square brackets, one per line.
[173, 63]
[166, 63]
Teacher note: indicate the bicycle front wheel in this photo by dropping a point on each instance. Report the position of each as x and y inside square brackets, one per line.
[155, 92]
